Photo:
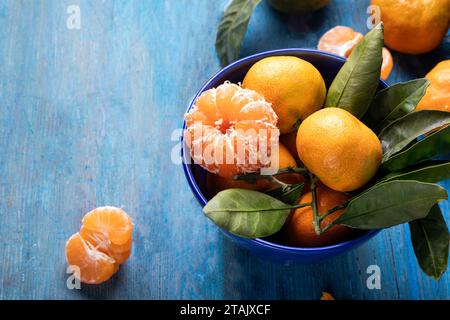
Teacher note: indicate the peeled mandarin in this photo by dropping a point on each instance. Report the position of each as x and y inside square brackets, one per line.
[225, 130]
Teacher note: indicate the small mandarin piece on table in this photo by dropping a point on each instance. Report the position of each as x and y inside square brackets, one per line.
[341, 40]
[103, 243]
[437, 96]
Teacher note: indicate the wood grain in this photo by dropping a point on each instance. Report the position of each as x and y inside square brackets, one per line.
[87, 118]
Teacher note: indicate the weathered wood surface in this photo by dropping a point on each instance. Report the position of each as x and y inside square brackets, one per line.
[86, 120]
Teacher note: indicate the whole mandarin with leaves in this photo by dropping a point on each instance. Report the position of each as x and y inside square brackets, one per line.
[437, 96]
[299, 228]
[339, 149]
[293, 86]
[414, 26]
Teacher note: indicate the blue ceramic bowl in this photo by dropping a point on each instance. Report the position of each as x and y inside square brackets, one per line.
[328, 65]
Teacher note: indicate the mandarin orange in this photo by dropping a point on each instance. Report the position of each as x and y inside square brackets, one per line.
[299, 227]
[294, 86]
[230, 130]
[339, 149]
[414, 26]
[437, 96]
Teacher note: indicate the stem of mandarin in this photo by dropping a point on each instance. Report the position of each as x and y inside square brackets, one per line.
[316, 221]
[327, 227]
[338, 207]
[301, 205]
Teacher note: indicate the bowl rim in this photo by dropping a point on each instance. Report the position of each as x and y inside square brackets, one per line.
[202, 199]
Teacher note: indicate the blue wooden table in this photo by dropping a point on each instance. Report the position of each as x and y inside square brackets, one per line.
[87, 119]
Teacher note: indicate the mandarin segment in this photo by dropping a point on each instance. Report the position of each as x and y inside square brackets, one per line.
[230, 130]
[339, 40]
[107, 224]
[94, 266]
[342, 40]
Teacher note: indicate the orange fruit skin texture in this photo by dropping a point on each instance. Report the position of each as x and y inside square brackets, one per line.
[216, 183]
[414, 27]
[339, 149]
[342, 40]
[299, 228]
[294, 86]
[437, 96]
[298, 7]
[105, 239]
[228, 117]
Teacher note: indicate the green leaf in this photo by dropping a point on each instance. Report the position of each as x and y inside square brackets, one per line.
[356, 83]
[290, 196]
[436, 144]
[428, 172]
[247, 213]
[391, 203]
[394, 102]
[403, 131]
[430, 239]
[232, 29]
